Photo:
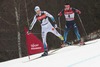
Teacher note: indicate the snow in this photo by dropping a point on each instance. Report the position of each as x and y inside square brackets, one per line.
[71, 56]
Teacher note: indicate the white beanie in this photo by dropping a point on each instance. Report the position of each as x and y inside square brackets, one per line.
[36, 8]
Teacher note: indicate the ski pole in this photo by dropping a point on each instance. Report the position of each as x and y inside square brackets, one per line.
[60, 29]
[59, 23]
[82, 24]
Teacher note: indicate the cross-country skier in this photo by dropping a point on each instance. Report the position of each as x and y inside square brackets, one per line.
[69, 14]
[42, 17]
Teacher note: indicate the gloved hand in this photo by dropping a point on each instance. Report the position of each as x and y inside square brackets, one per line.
[58, 15]
[29, 31]
[78, 11]
[55, 26]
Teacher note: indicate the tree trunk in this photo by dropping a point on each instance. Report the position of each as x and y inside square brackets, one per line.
[26, 12]
[18, 29]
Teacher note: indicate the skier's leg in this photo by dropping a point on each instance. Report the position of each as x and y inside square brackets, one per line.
[81, 41]
[77, 32]
[44, 40]
[66, 34]
[55, 32]
[44, 34]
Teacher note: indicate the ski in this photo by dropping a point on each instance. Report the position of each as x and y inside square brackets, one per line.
[51, 53]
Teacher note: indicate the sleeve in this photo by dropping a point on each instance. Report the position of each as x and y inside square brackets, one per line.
[61, 13]
[33, 22]
[49, 15]
[76, 10]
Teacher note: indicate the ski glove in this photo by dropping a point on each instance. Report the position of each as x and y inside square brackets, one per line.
[77, 11]
[29, 31]
[55, 26]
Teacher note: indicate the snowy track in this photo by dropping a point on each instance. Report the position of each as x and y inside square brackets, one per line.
[72, 56]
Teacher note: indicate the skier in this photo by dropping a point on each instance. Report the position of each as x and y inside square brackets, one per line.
[69, 14]
[42, 17]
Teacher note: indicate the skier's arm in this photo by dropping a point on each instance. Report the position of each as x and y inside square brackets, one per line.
[61, 13]
[76, 10]
[33, 22]
[52, 18]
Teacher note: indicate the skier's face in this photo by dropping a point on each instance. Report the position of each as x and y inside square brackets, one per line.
[67, 7]
[38, 12]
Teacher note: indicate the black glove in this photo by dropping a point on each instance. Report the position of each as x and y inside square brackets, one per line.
[55, 25]
[29, 31]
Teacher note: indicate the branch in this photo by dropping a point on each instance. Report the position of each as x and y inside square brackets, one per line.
[6, 21]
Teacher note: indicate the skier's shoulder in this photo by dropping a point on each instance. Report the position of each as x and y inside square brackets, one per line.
[74, 9]
[44, 12]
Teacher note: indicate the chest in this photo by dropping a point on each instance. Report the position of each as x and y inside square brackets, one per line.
[69, 13]
[41, 17]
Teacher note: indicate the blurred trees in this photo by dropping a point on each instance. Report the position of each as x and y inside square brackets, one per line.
[10, 30]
